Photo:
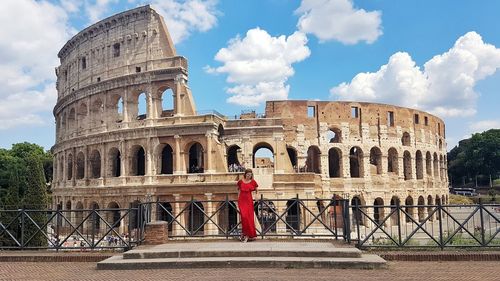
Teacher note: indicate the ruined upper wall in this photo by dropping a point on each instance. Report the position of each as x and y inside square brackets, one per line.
[130, 42]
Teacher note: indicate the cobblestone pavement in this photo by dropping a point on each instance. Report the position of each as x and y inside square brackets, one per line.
[427, 271]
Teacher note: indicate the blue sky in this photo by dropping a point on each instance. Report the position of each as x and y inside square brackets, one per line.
[439, 56]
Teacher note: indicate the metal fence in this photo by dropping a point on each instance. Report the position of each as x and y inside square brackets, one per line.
[394, 226]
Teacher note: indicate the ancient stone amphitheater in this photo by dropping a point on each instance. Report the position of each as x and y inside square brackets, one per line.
[112, 153]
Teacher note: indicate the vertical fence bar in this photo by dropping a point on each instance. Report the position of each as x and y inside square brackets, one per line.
[347, 222]
[92, 229]
[357, 211]
[481, 215]
[191, 218]
[440, 217]
[335, 203]
[22, 228]
[58, 214]
[129, 230]
[259, 212]
[398, 210]
[226, 210]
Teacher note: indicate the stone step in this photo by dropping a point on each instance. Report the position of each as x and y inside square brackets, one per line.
[363, 262]
[238, 249]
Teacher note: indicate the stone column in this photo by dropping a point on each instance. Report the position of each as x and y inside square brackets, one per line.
[125, 97]
[179, 169]
[280, 208]
[211, 228]
[177, 94]
[177, 208]
[209, 164]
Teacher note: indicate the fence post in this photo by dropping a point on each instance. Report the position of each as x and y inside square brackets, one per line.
[22, 228]
[92, 229]
[335, 204]
[441, 243]
[347, 221]
[398, 210]
[58, 214]
[481, 215]
[259, 212]
[357, 211]
[226, 209]
[129, 214]
[297, 211]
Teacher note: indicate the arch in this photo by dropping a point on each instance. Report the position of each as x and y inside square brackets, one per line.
[70, 167]
[428, 163]
[395, 202]
[94, 219]
[378, 210]
[82, 115]
[419, 165]
[72, 119]
[407, 165]
[220, 133]
[64, 123]
[356, 162]
[441, 167]
[167, 103]
[436, 168]
[409, 208]
[313, 162]
[165, 213]
[195, 218]
[138, 167]
[166, 158]
[80, 166]
[114, 162]
[335, 162]
[406, 139]
[293, 215]
[421, 208]
[113, 214]
[228, 217]
[263, 155]
[392, 161]
[96, 113]
[68, 205]
[196, 158]
[142, 106]
[357, 214]
[438, 202]
[440, 145]
[266, 214]
[292, 156]
[443, 200]
[95, 164]
[429, 206]
[334, 135]
[375, 161]
[233, 161]
[118, 107]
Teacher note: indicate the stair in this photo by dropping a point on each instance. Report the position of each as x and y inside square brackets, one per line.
[257, 254]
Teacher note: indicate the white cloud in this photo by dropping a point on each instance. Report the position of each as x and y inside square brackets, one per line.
[338, 20]
[445, 85]
[184, 18]
[484, 125]
[28, 57]
[260, 65]
[97, 10]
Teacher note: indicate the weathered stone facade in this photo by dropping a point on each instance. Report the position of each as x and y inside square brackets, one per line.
[110, 155]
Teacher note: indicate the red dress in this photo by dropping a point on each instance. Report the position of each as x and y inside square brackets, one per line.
[245, 203]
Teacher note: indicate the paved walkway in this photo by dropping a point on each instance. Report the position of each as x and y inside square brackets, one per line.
[428, 271]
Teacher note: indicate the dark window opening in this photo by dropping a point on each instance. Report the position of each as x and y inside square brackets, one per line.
[390, 118]
[416, 118]
[354, 112]
[137, 69]
[426, 121]
[84, 63]
[116, 50]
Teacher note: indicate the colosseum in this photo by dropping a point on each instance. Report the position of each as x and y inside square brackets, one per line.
[111, 152]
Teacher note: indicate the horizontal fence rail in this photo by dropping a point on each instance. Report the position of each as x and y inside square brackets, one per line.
[391, 226]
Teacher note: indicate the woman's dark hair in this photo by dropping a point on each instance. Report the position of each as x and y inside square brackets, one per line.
[247, 171]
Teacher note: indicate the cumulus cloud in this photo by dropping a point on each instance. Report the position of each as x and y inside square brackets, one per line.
[185, 17]
[260, 64]
[484, 125]
[96, 10]
[444, 86]
[338, 20]
[28, 56]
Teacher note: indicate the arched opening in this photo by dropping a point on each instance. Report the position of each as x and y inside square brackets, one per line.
[196, 159]
[313, 162]
[429, 206]
[266, 214]
[392, 161]
[167, 103]
[334, 135]
[113, 215]
[407, 165]
[335, 162]
[428, 163]
[80, 166]
[357, 215]
[419, 165]
[441, 165]
[293, 215]
[165, 214]
[95, 164]
[142, 107]
[167, 160]
[233, 161]
[72, 120]
[138, 161]
[438, 202]
[96, 112]
[378, 210]
[356, 162]
[394, 212]
[292, 155]
[263, 156]
[114, 162]
[94, 219]
[440, 145]
[70, 167]
[196, 218]
[119, 109]
[220, 133]
[82, 116]
[409, 208]
[228, 217]
[375, 161]
[134, 214]
[421, 208]
[405, 140]
[436, 169]
[79, 216]
[64, 124]
[67, 211]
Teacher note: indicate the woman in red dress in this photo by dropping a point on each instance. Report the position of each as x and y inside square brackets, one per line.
[245, 203]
